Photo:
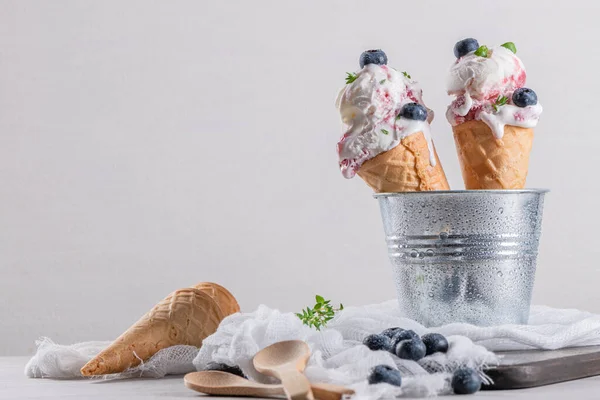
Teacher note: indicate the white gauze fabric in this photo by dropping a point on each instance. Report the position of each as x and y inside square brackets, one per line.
[337, 353]
[57, 361]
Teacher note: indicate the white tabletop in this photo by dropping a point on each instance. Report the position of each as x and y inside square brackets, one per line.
[14, 385]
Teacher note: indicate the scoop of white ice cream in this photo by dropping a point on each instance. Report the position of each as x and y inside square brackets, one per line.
[486, 77]
[484, 87]
[369, 107]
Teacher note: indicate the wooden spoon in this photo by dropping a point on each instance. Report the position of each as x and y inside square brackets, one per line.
[286, 361]
[226, 384]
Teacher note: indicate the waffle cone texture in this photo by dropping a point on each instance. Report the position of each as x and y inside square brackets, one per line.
[185, 317]
[405, 168]
[490, 163]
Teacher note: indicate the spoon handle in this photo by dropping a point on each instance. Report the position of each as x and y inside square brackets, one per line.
[327, 391]
[295, 384]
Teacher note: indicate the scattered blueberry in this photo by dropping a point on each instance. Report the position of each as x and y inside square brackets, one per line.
[465, 46]
[524, 97]
[403, 335]
[391, 332]
[466, 381]
[372, 57]
[214, 366]
[385, 374]
[435, 342]
[378, 342]
[413, 349]
[414, 111]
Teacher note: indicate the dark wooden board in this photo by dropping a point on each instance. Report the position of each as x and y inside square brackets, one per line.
[525, 369]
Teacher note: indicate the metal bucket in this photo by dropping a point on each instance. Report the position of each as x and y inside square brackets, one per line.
[464, 256]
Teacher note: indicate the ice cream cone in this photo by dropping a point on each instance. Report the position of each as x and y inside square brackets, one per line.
[222, 296]
[404, 168]
[490, 163]
[187, 316]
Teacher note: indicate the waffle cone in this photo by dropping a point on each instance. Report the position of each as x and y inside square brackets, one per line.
[490, 163]
[186, 316]
[222, 296]
[405, 168]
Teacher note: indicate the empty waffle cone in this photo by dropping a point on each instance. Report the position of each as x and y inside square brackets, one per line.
[222, 296]
[185, 317]
[405, 168]
[490, 163]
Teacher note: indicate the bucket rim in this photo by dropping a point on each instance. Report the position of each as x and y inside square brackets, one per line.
[464, 192]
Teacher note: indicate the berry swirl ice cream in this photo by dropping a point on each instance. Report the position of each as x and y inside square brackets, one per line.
[483, 81]
[369, 107]
[492, 115]
[380, 108]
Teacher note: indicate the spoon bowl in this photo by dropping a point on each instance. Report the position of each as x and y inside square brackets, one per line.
[286, 361]
[225, 384]
[291, 353]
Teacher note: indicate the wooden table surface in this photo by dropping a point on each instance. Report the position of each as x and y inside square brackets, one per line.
[14, 385]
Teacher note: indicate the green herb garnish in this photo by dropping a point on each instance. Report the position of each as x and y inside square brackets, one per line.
[318, 316]
[511, 46]
[350, 77]
[500, 101]
[406, 74]
[482, 51]
[385, 131]
[381, 82]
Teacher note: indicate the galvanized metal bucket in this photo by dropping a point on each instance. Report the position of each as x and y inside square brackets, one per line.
[464, 256]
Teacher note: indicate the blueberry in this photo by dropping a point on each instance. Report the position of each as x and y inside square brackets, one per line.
[413, 349]
[465, 46]
[524, 97]
[385, 374]
[372, 57]
[378, 342]
[434, 342]
[403, 335]
[414, 111]
[466, 381]
[214, 366]
[391, 332]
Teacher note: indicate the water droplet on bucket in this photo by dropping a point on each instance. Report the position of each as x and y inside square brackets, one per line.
[414, 253]
[501, 210]
[500, 274]
[443, 235]
[421, 255]
[429, 253]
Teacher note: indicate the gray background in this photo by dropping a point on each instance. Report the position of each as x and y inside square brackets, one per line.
[147, 146]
